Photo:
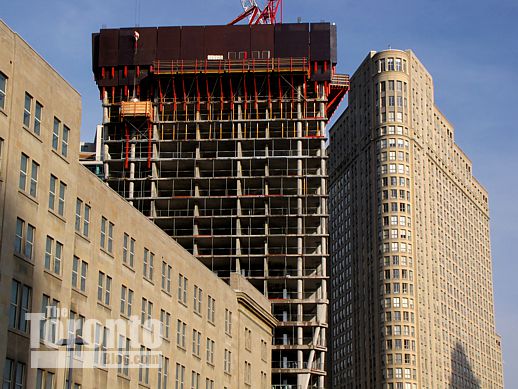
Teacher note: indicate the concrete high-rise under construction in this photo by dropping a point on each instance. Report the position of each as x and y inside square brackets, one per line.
[411, 272]
[217, 134]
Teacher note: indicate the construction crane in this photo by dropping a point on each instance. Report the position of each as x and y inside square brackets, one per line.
[257, 15]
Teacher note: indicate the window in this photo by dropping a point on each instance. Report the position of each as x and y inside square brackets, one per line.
[196, 343]
[104, 286]
[14, 375]
[228, 322]
[44, 379]
[248, 339]
[227, 361]
[128, 250]
[37, 118]
[166, 277]
[32, 186]
[101, 341]
[209, 384]
[210, 351]
[248, 373]
[182, 289]
[82, 222]
[181, 328]
[24, 239]
[55, 133]
[197, 299]
[264, 350]
[20, 304]
[165, 323]
[27, 110]
[48, 326]
[149, 258]
[57, 185]
[211, 309]
[79, 209]
[123, 355]
[143, 371]
[3, 90]
[107, 235]
[64, 141]
[163, 373]
[180, 376]
[75, 328]
[53, 255]
[146, 313]
[195, 380]
[126, 300]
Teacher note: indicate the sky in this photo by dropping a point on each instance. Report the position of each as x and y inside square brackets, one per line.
[469, 47]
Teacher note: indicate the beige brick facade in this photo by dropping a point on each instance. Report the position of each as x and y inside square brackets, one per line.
[412, 293]
[69, 241]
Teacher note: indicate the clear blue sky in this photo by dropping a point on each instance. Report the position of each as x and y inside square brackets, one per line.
[469, 47]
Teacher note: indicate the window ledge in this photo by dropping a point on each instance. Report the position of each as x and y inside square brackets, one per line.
[60, 156]
[80, 292]
[166, 292]
[24, 258]
[131, 269]
[103, 250]
[82, 236]
[36, 136]
[2, 111]
[19, 332]
[103, 305]
[148, 280]
[27, 195]
[123, 377]
[52, 212]
[52, 274]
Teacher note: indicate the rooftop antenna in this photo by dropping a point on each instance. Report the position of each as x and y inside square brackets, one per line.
[137, 13]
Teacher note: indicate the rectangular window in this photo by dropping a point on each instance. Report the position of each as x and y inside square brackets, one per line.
[182, 289]
[165, 323]
[37, 118]
[14, 375]
[107, 235]
[166, 277]
[24, 165]
[163, 373]
[3, 90]
[64, 141]
[210, 351]
[104, 286]
[20, 305]
[53, 255]
[209, 384]
[123, 357]
[180, 376]
[27, 110]
[44, 379]
[227, 361]
[55, 134]
[146, 313]
[79, 209]
[197, 299]
[211, 309]
[248, 373]
[79, 274]
[228, 322]
[24, 239]
[126, 300]
[48, 326]
[86, 221]
[196, 343]
[195, 380]
[52, 191]
[149, 258]
[181, 329]
[25, 161]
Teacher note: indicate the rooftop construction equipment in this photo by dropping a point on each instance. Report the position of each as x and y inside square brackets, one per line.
[217, 134]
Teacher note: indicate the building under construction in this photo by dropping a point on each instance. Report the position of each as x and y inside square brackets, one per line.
[217, 134]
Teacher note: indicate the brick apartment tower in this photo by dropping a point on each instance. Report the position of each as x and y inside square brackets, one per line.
[217, 134]
[411, 271]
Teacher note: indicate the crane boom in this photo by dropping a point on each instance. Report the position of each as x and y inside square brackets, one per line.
[256, 15]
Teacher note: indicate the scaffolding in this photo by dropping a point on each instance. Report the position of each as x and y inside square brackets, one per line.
[229, 158]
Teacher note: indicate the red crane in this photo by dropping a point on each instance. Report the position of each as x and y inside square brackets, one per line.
[256, 15]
